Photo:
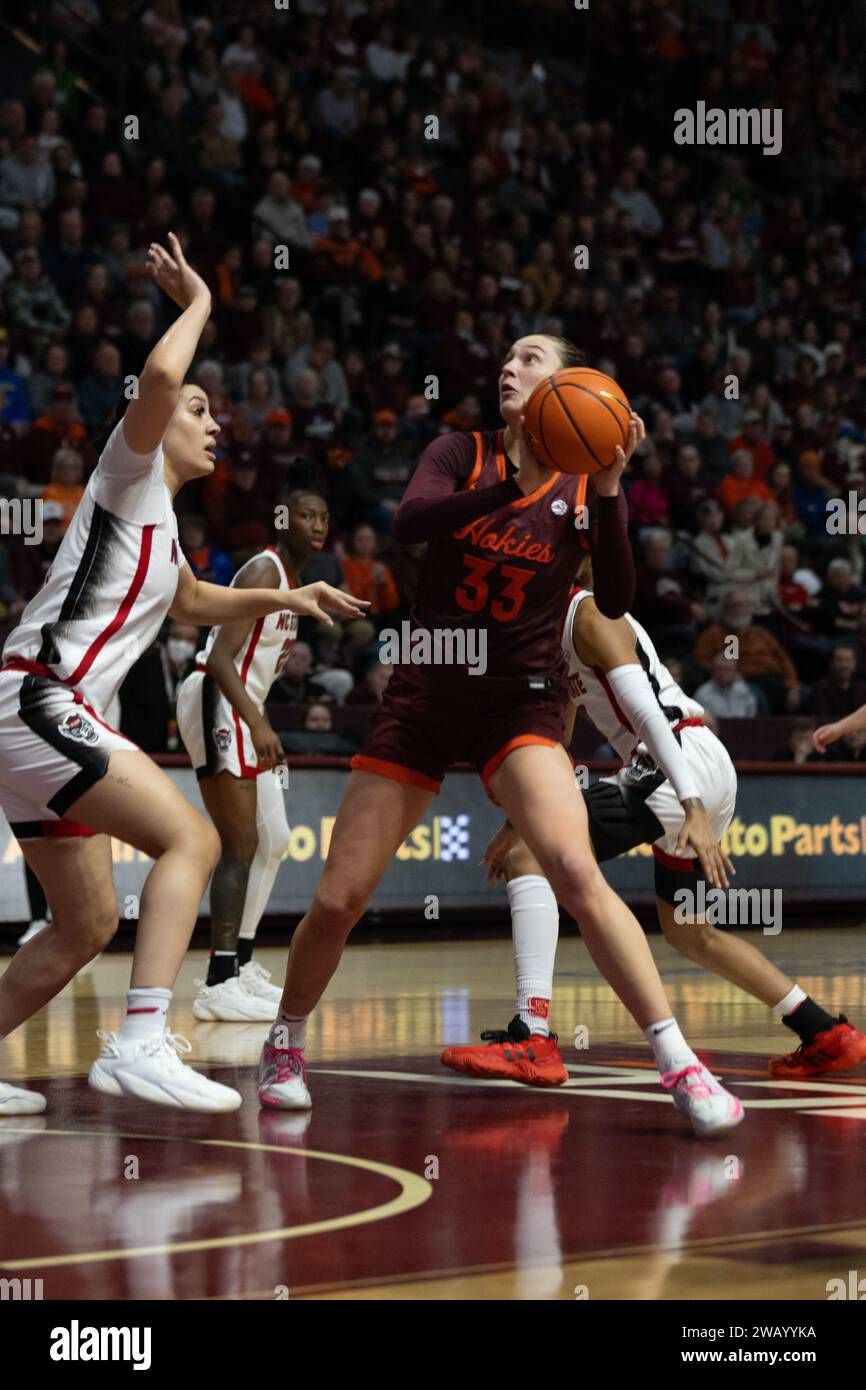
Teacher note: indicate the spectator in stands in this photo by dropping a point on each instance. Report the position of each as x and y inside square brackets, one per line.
[205, 560]
[365, 576]
[710, 444]
[836, 612]
[99, 393]
[709, 555]
[240, 515]
[32, 303]
[280, 217]
[662, 602]
[687, 487]
[53, 369]
[726, 695]
[648, 504]
[14, 409]
[779, 482]
[57, 427]
[378, 473]
[66, 486]
[297, 685]
[29, 564]
[763, 662]
[26, 180]
[262, 400]
[741, 482]
[839, 692]
[752, 438]
[810, 495]
[317, 736]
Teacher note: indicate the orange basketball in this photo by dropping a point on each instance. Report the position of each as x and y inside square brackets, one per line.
[575, 419]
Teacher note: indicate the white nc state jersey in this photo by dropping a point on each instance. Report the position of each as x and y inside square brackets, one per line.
[113, 579]
[263, 655]
[591, 691]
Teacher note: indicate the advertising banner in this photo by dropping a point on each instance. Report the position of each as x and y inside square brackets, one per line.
[803, 835]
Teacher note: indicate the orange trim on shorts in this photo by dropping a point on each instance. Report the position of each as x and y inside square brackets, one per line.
[479, 460]
[395, 771]
[521, 741]
[670, 862]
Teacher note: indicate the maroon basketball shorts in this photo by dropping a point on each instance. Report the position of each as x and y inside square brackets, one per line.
[425, 724]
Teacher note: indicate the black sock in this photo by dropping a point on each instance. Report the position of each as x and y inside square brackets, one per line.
[808, 1019]
[223, 965]
[245, 950]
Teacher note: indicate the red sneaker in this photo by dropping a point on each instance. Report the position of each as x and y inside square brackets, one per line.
[512, 1055]
[836, 1049]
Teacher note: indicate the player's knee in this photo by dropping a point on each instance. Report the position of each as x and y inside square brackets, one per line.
[338, 905]
[240, 846]
[205, 845]
[693, 939]
[84, 929]
[576, 879]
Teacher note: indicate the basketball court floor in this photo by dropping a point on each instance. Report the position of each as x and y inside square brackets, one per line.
[409, 1182]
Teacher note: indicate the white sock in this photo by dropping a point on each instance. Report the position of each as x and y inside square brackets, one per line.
[534, 932]
[145, 1013]
[288, 1030]
[792, 1000]
[670, 1049]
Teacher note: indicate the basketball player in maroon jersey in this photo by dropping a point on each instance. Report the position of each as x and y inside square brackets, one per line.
[503, 540]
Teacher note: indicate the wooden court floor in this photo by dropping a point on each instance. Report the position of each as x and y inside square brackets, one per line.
[409, 1182]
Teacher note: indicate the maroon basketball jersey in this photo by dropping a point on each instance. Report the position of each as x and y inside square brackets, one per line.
[509, 572]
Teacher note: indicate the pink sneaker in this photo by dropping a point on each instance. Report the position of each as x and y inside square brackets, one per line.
[283, 1078]
[696, 1092]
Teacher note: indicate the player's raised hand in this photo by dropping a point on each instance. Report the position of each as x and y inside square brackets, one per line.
[317, 600]
[173, 273]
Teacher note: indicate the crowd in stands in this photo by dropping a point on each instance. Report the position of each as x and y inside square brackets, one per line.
[367, 281]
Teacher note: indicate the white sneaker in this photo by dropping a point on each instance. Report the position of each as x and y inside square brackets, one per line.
[283, 1078]
[696, 1092]
[232, 1001]
[257, 980]
[33, 930]
[14, 1101]
[151, 1069]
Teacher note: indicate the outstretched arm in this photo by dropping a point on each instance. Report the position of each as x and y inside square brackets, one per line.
[212, 605]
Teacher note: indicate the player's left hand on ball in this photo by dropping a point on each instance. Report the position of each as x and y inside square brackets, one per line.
[319, 599]
[607, 479]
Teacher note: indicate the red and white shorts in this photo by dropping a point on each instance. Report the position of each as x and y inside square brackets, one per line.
[53, 748]
[213, 733]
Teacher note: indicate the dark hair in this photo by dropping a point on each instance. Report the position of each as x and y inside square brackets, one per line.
[570, 354]
[291, 496]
